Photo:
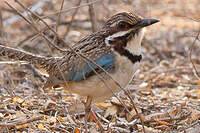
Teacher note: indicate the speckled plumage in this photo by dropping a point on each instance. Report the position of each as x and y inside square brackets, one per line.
[120, 38]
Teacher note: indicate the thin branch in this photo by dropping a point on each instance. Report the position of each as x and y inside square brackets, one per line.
[20, 43]
[8, 10]
[58, 20]
[72, 18]
[15, 18]
[37, 30]
[92, 16]
[1, 23]
[8, 111]
[34, 27]
[69, 9]
[190, 55]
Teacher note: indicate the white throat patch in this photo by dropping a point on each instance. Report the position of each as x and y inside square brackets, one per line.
[134, 45]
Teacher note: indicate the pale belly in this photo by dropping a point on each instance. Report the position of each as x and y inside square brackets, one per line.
[101, 90]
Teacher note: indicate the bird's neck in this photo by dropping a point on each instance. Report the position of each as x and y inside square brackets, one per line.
[134, 44]
[127, 43]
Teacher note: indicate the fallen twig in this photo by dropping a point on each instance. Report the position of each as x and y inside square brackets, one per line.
[21, 122]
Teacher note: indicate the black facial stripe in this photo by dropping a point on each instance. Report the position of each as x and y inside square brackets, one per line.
[119, 44]
[124, 52]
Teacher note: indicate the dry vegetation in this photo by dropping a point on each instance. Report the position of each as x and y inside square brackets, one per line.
[166, 91]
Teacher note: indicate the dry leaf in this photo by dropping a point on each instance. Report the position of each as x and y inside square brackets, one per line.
[195, 114]
[49, 104]
[132, 113]
[163, 122]
[183, 104]
[61, 119]
[174, 112]
[44, 118]
[17, 100]
[198, 82]
[198, 93]
[22, 126]
[52, 119]
[143, 85]
[41, 127]
[104, 104]
[112, 110]
[76, 130]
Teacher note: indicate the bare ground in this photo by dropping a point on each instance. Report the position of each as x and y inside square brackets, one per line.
[166, 91]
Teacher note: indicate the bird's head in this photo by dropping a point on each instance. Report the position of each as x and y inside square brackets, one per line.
[124, 32]
[125, 23]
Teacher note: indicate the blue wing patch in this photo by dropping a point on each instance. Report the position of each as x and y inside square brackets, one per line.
[105, 61]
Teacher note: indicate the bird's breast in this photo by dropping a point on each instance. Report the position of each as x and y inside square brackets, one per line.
[103, 88]
[124, 70]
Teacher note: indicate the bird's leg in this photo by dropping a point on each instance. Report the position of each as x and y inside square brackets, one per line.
[87, 110]
[94, 117]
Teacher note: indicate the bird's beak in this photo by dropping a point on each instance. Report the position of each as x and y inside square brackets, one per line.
[145, 22]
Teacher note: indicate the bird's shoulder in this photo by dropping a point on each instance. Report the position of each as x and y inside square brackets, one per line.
[94, 48]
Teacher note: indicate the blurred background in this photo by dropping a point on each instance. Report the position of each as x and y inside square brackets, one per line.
[166, 91]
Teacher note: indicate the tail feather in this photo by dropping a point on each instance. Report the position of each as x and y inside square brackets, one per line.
[20, 55]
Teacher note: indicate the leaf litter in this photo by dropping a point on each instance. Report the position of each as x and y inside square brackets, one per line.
[166, 91]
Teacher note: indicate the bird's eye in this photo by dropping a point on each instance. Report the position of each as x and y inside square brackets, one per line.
[122, 24]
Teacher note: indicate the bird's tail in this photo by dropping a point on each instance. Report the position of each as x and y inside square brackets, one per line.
[20, 55]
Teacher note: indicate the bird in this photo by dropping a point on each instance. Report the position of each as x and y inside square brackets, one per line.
[116, 48]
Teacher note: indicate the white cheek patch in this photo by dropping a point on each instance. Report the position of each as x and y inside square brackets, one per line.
[118, 34]
[107, 39]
